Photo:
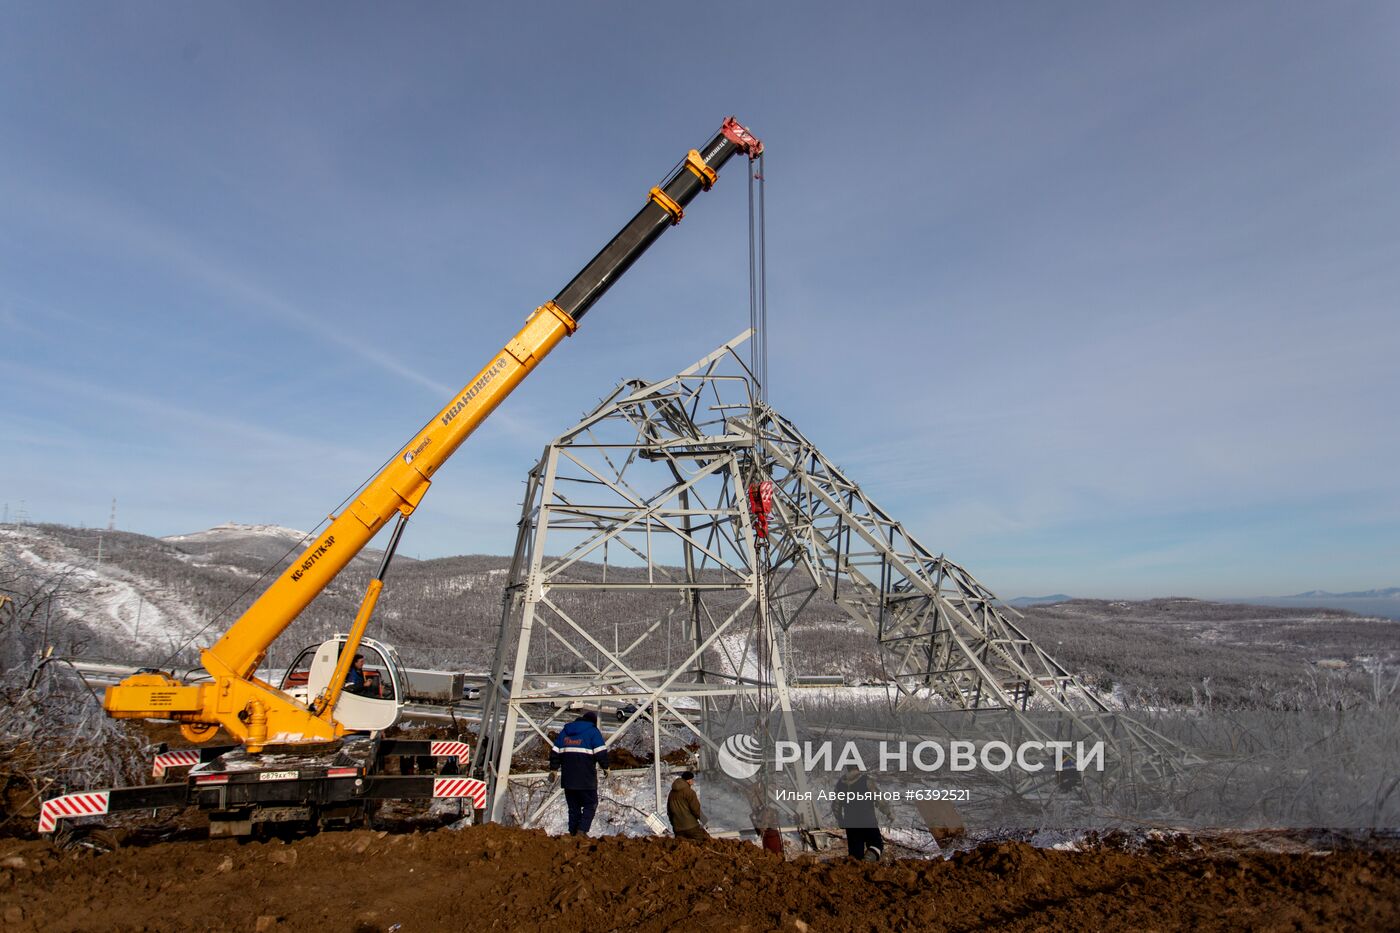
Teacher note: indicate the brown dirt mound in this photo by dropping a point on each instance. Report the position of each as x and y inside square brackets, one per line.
[491, 877]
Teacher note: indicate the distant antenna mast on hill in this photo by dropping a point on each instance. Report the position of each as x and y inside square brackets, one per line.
[112, 519]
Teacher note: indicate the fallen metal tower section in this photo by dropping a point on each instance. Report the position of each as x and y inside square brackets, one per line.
[942, 634]
[640, 516]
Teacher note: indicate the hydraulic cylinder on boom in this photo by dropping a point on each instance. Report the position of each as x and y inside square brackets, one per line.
[258, 714]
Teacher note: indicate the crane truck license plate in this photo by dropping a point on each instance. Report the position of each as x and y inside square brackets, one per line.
[278, 776]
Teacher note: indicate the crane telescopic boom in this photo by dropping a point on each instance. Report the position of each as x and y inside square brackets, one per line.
[257, 713]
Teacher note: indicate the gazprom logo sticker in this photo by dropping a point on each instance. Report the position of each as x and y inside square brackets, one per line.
[740, 757]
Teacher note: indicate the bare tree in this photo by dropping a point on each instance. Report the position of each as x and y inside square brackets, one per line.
[54, 735]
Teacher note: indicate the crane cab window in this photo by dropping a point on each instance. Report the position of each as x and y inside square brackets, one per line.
[377, 681]
[300, 672]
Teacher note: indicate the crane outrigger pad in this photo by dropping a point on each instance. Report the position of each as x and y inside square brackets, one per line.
[102, 802]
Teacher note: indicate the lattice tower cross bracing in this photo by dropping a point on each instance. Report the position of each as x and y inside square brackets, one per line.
[637, 519]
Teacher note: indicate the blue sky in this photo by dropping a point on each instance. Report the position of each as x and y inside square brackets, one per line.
[1101, 299]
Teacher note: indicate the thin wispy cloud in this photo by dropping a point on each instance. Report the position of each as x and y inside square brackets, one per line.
[122, 229]
[234, 431]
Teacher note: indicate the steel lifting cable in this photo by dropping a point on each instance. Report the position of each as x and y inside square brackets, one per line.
[758, 282]
[758, 359]
[762, 281]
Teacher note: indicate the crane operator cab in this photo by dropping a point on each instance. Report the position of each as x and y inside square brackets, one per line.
[368, 707]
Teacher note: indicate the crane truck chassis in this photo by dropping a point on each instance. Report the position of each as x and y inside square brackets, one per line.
[243, 792]
[303, 757]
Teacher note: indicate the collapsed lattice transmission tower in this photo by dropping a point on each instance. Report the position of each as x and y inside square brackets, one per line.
[643, 585]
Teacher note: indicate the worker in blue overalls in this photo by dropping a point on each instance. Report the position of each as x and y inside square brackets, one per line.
[579, 753]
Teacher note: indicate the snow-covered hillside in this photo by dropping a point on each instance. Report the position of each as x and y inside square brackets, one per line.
[147, 595]
[115, 603]
[133, 598]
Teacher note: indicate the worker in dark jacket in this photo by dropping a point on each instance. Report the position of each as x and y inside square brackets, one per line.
[854, 809]
[355, 677]
[683, 808]
[577, 752]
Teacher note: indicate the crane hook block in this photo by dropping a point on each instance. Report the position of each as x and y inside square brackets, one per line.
[761, 506]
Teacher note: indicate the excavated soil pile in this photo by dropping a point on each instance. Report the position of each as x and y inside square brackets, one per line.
[496, 878]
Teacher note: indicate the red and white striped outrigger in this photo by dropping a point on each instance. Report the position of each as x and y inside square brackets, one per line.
[442, 749]
[461, 788]
[92, 803]
[177, 759]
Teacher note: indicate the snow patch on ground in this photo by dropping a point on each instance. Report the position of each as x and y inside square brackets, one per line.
[206, 561]
[453, 585]
[626, 801]
[1058, 839]
[736, 650]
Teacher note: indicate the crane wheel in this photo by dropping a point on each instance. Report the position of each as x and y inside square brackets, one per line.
[198, 732]
[93, 838]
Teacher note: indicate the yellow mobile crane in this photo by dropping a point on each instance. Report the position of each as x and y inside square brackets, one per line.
[260, 715]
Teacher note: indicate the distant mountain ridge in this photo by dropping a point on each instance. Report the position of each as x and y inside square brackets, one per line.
[1023, 601]
[1383, 602]
[1390, 592]
[261, 543]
